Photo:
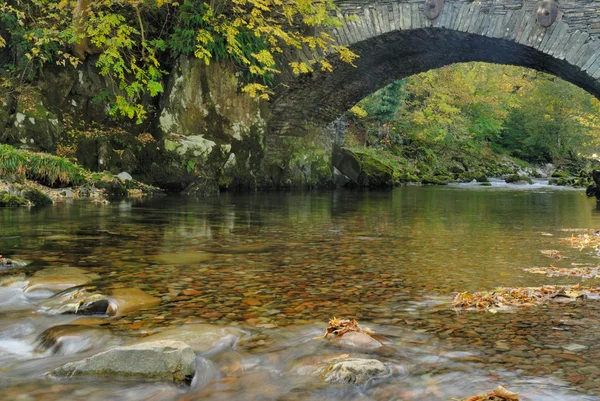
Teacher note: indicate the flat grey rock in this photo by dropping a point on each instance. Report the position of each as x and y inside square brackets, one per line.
[159, 360]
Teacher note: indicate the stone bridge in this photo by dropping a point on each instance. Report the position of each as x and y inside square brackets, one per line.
[399, 38]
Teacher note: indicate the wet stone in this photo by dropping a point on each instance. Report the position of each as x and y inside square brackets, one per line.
[57, 279]
[72, 339]
[356, 371]
[6, 263]
[159, 360]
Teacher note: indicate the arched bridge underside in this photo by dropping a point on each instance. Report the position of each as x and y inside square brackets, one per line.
[397, 39]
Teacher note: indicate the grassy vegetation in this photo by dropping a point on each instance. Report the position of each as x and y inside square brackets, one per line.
[46, 169]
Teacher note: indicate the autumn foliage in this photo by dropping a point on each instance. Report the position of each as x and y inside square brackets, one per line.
[133, 41]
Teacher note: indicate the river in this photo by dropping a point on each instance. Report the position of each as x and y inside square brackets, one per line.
[279, 265]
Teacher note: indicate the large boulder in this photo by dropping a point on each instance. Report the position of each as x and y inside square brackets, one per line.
[362, 168]
[159, 360]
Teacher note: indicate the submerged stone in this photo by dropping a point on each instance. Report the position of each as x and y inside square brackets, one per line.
[84, 300]
[202, 338]
[181, 258]
[159, 360]
[7, 281]
[357, 340]
[6, 263]
[79, 300]
[127, 300]
[57, 279]
[69, 339]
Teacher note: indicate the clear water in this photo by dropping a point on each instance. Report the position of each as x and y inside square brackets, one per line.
[279, 265]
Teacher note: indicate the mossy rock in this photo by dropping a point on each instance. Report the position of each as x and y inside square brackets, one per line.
[10, 200]
[516, 178]
[480, 177]
[436, 180]
[486, 184]
[560, 174]
[36, 197]
[374, 172]
[115, 189]
[407, 177]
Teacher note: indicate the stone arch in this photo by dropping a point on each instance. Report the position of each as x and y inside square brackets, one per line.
[395, 39]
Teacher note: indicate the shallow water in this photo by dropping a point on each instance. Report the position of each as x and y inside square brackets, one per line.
[278, 265]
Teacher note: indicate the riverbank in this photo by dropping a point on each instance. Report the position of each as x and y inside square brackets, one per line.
[37, 179]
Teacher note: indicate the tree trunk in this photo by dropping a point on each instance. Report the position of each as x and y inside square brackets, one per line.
[82, 46]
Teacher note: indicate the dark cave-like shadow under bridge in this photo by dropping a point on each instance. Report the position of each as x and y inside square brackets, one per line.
[396, 39]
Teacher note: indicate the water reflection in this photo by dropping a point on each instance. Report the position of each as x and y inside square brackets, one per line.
[281, 264]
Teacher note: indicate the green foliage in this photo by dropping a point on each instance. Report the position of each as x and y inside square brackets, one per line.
[196, 16]
[383, 105]
[457, 117]
[133, 39]
[547, 127]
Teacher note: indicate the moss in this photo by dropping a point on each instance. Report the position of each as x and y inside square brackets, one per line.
[560, 174]
[407, 177]
[37, 197]
[437, 180]
[515, 178]
[10, 200]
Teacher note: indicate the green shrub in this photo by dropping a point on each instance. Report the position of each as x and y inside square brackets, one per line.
[47, 169]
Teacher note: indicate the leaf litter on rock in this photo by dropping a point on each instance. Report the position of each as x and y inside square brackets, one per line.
[338, 327]
[553, 271]
[500, 393]
[505, 297]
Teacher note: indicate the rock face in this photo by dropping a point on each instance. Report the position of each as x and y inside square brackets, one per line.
[159, 360]
[205, 120]
[206, 136]
[356, 371]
